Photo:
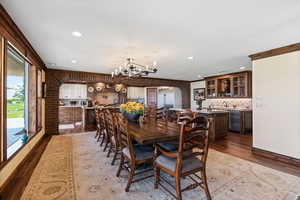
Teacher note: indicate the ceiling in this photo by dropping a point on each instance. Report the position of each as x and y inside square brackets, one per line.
[218, 34]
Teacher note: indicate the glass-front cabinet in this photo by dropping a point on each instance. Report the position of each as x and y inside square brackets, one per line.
[211, 88]
[235, 85]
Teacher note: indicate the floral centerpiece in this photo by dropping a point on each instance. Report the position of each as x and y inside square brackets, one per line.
[132, 110]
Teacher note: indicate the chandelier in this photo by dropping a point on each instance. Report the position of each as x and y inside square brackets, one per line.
[132, 69]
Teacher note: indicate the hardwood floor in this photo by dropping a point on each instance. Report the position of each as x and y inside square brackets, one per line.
[14, 189]
[234, 144]
[240, 146]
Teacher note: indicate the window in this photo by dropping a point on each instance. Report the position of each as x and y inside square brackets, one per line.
[16, 100]
[21, 103]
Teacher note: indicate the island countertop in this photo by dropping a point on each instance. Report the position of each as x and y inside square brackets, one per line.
[203, 111]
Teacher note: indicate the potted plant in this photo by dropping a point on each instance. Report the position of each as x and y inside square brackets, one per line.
[132, 110]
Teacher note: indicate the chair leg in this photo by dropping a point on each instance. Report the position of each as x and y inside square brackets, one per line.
[132, 173]
[106, 143]
[103, 139]
[97, 133]
[120, 165]
[99, 136]
[157, 176]
[115, 156]
[110, 149]
[178, 188]
[204, 179]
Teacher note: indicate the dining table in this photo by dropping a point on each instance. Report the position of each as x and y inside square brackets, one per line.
[154, 131]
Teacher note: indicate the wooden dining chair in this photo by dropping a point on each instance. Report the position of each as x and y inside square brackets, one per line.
[185, 162]
[160, 113]
[98, 133]
[132, 155]
[180, 117]
[185, 115]
[106, 138]
[114, 146]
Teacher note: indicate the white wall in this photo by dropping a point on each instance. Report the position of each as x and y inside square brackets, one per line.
[276, 104]
[194, 85]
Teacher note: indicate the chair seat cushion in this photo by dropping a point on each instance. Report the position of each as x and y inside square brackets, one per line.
[169, 146]
[142, 152]
[188, 164]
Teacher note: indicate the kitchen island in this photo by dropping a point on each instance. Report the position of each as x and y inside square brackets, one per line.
[219, 121]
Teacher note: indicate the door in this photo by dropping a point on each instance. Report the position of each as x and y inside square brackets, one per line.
[152, 97]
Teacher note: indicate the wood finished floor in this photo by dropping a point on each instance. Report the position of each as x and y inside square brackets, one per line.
[240, 146]
[234, 144]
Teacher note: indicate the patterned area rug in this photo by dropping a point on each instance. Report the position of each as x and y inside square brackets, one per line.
[74, 167]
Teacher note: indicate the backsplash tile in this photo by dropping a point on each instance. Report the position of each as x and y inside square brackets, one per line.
[231, 103]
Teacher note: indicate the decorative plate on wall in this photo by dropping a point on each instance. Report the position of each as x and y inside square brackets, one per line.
[118, 87]
[124, 90]
[98, 88]
[90, 89]
[108, 85]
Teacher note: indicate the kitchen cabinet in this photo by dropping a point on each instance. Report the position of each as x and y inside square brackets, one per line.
[211, 88]
[235, 85]
[70, 114]
[73, 91]
[240, 121]
[135, 92]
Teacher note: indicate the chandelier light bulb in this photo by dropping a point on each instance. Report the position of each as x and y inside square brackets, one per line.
[132, 69]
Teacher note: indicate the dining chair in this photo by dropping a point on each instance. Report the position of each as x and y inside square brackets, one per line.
[97, 114]
[185, 115]
[160, 113]
[100, 128]
[180, 117]
[185, 162]
[132, 155]
[114, 146]
[106, 138]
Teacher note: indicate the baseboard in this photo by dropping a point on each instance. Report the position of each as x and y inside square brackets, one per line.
[276, 156]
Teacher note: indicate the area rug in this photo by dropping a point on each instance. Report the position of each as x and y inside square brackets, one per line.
[74, 167]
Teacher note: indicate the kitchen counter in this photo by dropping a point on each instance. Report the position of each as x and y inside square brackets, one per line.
[70, 106]
[213, 111]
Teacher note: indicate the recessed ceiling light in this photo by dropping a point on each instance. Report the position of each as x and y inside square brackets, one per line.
[242, 67]
[76, 34]
[190, 57]
[74, 61]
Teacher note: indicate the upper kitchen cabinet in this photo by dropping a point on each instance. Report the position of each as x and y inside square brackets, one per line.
[135, 92]
[73, 91]
[211, 87]
[235, 85]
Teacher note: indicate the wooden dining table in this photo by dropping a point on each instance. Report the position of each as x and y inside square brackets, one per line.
[154, 131]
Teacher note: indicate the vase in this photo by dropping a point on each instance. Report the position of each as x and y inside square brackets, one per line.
[132, 117]
[24, 138]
